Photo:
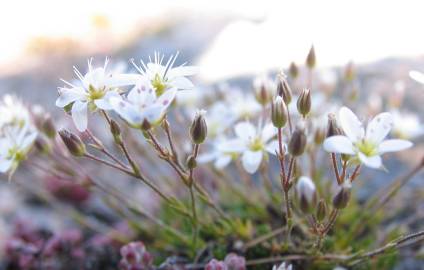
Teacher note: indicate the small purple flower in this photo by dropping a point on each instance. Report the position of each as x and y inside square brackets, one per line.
[135, 257]
[235, 262]
[214, 264]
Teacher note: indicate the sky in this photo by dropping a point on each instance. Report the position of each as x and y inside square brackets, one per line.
[266, 34]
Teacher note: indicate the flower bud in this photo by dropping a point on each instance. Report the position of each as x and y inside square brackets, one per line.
[235, 262]
[116, 131]
[191, 162]
[311, 58]
[321, 210]
[297, 141]
[306, 191]
[74, 144]
[293, 70]
[283, 89]
[319, 135]
[42, 145]
[304, 102]
[264, 89]
[279, 112]
[48, 127]
[342, 197]
[145, 126]
[198, 128]
[332, 126]
[214, 264]
[349, 73]
[135, 256]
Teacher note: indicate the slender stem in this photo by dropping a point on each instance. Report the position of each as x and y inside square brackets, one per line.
[281, 154]
[336, 169]
[291, 165]
[355, 173]
[289, 120]
[101, 148]
[193, 199]
[343, 175]
[288, 216]
[174, 152]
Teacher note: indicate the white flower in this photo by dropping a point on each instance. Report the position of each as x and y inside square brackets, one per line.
[220, 117]
[305, 187]
[417, 76]
[97, 86]
[243, 105]
[283, 266]
[253, 143]
[164, 77]
[14, 146]
[406, 125]
[219, 154]
[14, 113]
[366, 145]
[142, 103]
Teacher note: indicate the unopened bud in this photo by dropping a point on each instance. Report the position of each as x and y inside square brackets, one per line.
[311, 58]
[293, 70]
[319, 135]
[321, 210]
[283, 89]
[297, 141]
[306, 191]
[264, 90]
[191, 162]
[42, 145]
[349, 73]
[235, 262]
[198, 128]
[146, 125]
[116, 131]
[214, 264]
[304, 102]
[48, 127]
[332, 126]
[74, 144]
[342, 197]
[279, 112]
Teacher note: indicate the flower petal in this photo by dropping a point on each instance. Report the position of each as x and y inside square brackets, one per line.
[232, 146]
[103, 103]
[166, 98]
[182, 71]
[79, 115]
[268, 132]
[28, 140]
[393, 146]
[251, 160]
[379, 127]
[182, 83]
[117, 80]
[126, 110]
[222, 161]
[245, 131]
[273, 147]
[339, 144]
[69, 95]
[351, 125]
[5, 165]
[372, 162]
[417, 76]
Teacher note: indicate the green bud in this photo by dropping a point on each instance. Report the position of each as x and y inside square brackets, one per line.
[342, 197]
[198, 128]
[191, 162]
[304, 102]
[293, 70]
[321, 210]
[283, 89]
[145, 126]
[116, 131]
[279, 112]
[297, 143]
[48, 127]
[263, 90]
[311, 58]
[74, 144]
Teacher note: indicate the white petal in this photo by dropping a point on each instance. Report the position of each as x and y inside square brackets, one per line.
[417, 76]
[206, 157]
[103, 103]
[79, 115]
[222, 161]
[251, 160]
[95, 78]
[268, 132]
[372, 162]
[339, 144]
[232, 146]
[5, 165]
[28, 140]
[245, 131]
[182, 83]
[117, 80]
[273, 147]
[167, 97]
[142, 94]
[126, 110]
[153, 113]
[379, 127]
[182, 71]
[69, 95]
[351, 125]
[393, 146]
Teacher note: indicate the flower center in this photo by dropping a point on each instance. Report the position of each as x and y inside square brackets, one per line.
[15, 154]
[256, 145]
[94, 93]
[159, 84]
[367, 148]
